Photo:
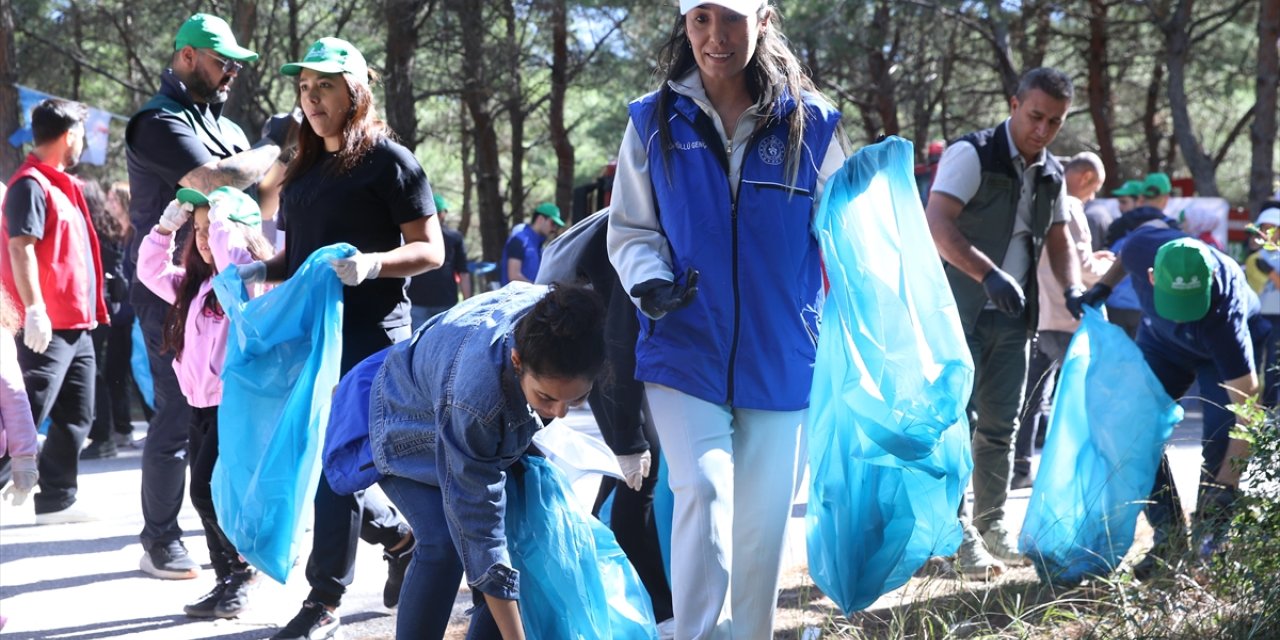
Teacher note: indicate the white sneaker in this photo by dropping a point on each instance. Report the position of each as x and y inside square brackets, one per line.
[70, 515]
[1003, 544]
[973, 560]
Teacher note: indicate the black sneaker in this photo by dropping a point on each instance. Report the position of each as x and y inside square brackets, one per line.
[397, 564]
[235, 598]
[205, 606]
[313, 622]
[98, 450]
[169, 561]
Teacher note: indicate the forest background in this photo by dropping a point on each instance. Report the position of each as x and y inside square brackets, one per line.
[508, 103]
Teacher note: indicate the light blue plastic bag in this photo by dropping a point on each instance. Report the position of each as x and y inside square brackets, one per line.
[575, 581]
[888, 436]
[283, 360]
[1111, 418]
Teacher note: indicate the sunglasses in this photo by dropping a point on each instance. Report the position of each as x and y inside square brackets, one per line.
[228, 66]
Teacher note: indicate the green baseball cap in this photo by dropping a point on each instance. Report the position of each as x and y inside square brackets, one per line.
[235, 203]
[551, 211]
[204, 31]
[1157, 184]
[331, 56]
[1183, 280]
[1130, 189]
[441, 203]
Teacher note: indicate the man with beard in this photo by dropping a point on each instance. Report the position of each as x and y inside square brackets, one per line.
[181, 139]
[54, 273]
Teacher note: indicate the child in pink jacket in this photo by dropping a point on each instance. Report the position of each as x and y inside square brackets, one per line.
[17, 426]
[227, 233]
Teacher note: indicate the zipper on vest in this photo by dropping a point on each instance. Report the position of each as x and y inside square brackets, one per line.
[737, 300]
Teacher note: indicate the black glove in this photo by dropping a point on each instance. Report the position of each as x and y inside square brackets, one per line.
[1264, 266]
[1004, 292]
[1096, 295]
[1075, 302]
[659, 297]
[282, 129]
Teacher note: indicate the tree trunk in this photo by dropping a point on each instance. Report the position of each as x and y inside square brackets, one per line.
[878, 66]
[1263, 132]
[1178, 46]
[242, 104]
[476, 95]
[1101, 108]
[464, 223]
[402, 41]
[10, 119]
[1150, 127]
[559, 134]
[516, 113]
[999, 37]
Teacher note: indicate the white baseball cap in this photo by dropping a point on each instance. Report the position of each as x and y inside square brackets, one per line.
[744, 7]
[1269, 216]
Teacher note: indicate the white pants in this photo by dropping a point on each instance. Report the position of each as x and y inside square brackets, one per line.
[726, 553]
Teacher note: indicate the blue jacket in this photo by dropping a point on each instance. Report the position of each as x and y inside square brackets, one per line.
[748, 338]
[446, 409]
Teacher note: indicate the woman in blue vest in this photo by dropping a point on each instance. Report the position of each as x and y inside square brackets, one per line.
[718, 177]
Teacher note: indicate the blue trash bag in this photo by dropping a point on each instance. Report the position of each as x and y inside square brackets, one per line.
[283, 361]
[888, 435]
[141, 365]
[575, 581]
[1111, 418]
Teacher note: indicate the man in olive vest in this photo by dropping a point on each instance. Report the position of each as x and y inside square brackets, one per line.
[996, 203]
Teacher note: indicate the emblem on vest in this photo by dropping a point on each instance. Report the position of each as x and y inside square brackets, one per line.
[772, 150]
[688, 146]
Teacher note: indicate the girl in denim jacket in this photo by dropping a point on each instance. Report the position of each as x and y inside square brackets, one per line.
[448, 412]
[227, 233]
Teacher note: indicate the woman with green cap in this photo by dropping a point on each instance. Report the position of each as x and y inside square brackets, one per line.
[350, 182]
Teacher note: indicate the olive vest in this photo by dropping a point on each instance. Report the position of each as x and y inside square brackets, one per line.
[987, 221]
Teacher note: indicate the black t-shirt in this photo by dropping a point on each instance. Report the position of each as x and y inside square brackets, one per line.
[437, 287]
[25, 207]
[365, 208]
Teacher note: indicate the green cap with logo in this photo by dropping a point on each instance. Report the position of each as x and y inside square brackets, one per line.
[204, 31]
[331, 56]
[1183, 280]
[1157, 184]
[1130, 189]
[551, 211]
[441, 203]
[238, 206]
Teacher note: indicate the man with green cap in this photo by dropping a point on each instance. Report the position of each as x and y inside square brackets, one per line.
[180, 138]
[1127, 195]
[1202, 322]
[523, 254]
[437, 290]
[1155, 191]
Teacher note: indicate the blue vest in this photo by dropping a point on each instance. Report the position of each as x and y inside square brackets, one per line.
[748, 338]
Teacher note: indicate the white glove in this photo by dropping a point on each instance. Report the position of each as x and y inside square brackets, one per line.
[357, 268]
[37, 331]
[252, 273]
[24, 479]
[175, 215]
[635, 468]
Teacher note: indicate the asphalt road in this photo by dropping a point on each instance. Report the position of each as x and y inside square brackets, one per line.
[81, 581]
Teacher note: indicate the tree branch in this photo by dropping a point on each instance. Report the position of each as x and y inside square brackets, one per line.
[1235, 133]
[80, 60]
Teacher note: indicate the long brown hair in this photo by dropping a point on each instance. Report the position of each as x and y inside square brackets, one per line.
[362, 130]
[771, 72]
[197, 272]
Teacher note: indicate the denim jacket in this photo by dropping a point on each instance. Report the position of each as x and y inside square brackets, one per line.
[446, 410]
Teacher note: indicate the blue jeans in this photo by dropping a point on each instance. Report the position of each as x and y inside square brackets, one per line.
[431, 583]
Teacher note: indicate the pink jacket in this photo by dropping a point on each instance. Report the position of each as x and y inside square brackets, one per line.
[17, 427]
[199, 366]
